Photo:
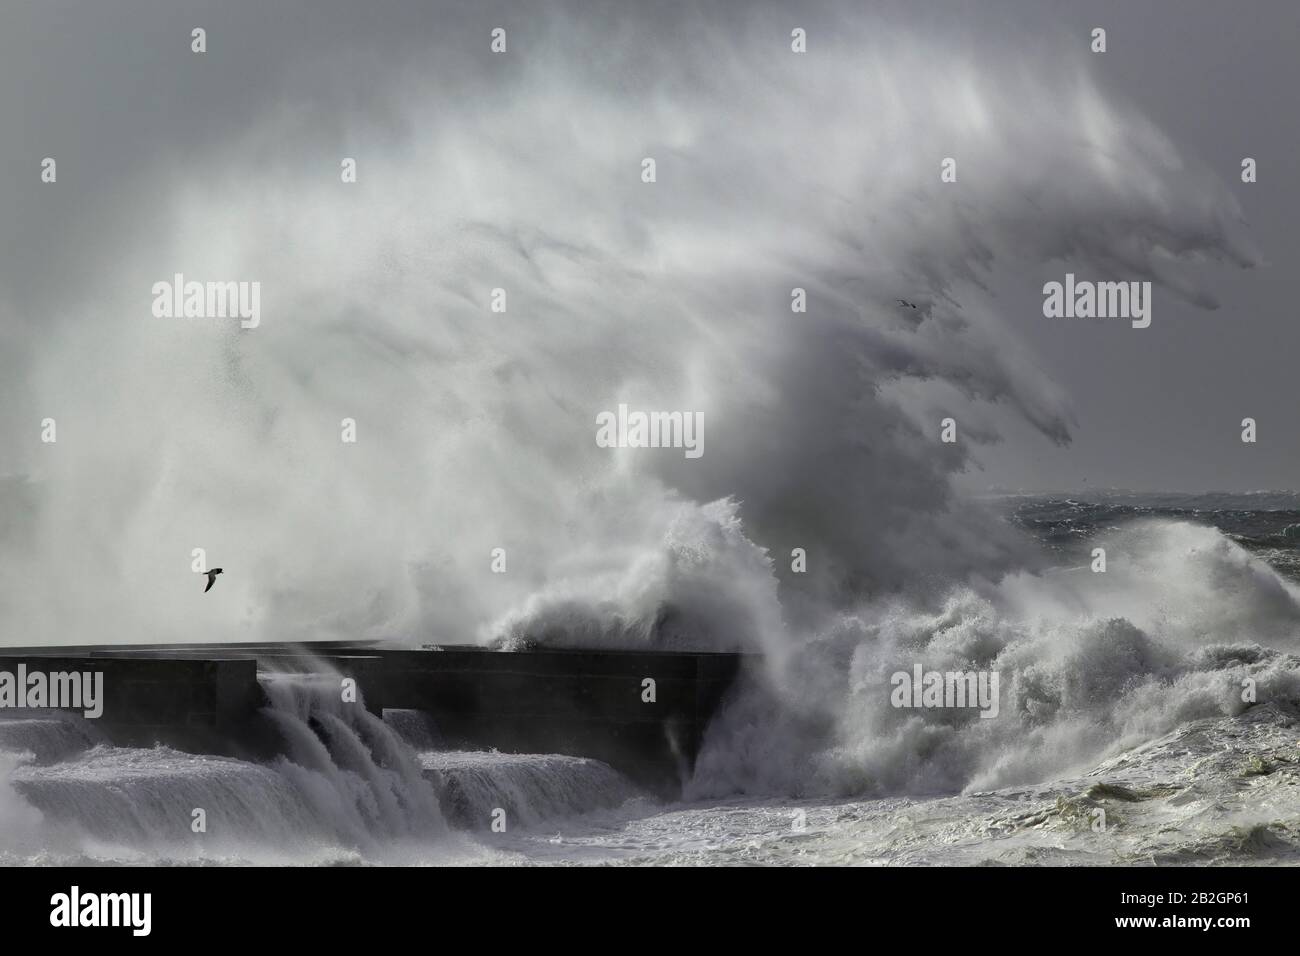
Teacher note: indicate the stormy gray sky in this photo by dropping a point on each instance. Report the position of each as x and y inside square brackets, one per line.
[112, 91]
[1161, 409]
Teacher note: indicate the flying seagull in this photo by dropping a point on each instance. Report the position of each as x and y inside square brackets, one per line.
[906, 303]
[212, 579]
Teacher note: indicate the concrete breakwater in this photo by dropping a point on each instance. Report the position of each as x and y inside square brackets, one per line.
[642, 712]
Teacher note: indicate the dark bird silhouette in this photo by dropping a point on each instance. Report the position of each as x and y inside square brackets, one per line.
[212, 579]
[906, 303]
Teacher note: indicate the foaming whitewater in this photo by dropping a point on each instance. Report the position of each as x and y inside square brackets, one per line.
[48, 739]
[137, 804]
[353, 770]
[532, 789]
[1180, 625]
[347, 788]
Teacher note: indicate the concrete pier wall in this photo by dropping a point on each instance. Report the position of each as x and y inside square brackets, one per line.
[195, 701]
[644, 713]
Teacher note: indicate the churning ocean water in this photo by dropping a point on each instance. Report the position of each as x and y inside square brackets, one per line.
[1124, 737]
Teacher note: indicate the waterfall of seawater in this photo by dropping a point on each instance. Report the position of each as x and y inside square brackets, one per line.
[346, 786]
